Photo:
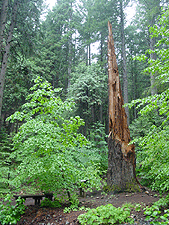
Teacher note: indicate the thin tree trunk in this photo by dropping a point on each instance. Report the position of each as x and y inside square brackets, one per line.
[3, 15]
[101, 48]
[121, 156]
[92, 113]
[101, 113]
[70, 60]
[152, 77]
[3, 21]
[6, 53]
[70, 49]
[133, 92]
[89, 55]
[156, 6]
[135, 89]
[125, 82]
[134, 84]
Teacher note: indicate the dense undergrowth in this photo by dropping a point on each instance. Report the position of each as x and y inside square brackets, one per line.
[151, 129]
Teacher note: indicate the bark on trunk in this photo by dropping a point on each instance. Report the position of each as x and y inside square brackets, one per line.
[70, 60]
[101, 48]
[3, 21]
[89, 59]
[120, 174]
[6, 54]
[101, 113]
[121, 157]
[125, 82]
[152, 77]
[70, 49]
[155, 7]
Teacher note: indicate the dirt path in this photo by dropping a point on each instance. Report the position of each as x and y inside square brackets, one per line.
[45, 216]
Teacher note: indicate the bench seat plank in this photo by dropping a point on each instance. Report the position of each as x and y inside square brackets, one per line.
[37, 198]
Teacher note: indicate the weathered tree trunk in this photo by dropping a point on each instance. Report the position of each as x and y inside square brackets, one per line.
[155, 8]
[69, 61]
[125, 82]
[6, 53]
[121, 157]
[3, 15]
[152, 77]
[101, 47]
[70, 48]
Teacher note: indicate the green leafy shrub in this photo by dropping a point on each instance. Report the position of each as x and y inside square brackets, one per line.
[138, 207]
[75, 208]
[89, 91]
[6, 164]
[153, 151]
[99, 146]
[51, 204]
[155, 158]
[10, 214]
[158, 212]
[107, 214]
[74, 204]
[49, 149]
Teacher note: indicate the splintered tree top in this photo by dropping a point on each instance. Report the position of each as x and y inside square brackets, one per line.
[118, 127]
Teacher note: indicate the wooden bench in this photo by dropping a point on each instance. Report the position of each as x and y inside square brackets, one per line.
[37, 198]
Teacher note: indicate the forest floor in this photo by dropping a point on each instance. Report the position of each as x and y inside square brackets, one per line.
[36, 215]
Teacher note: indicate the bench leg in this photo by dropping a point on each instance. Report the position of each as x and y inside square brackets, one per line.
[81, 192]
[36, 201]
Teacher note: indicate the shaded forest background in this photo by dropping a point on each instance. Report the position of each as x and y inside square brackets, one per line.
[57, 46]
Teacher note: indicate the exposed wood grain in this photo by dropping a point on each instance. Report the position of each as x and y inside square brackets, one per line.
[121, 161]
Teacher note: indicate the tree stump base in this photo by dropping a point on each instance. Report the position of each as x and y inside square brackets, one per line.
[120, 174]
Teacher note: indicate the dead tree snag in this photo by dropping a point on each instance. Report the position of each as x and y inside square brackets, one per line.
[121, 158]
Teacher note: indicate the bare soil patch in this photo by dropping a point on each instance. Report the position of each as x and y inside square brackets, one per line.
[48, 216]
